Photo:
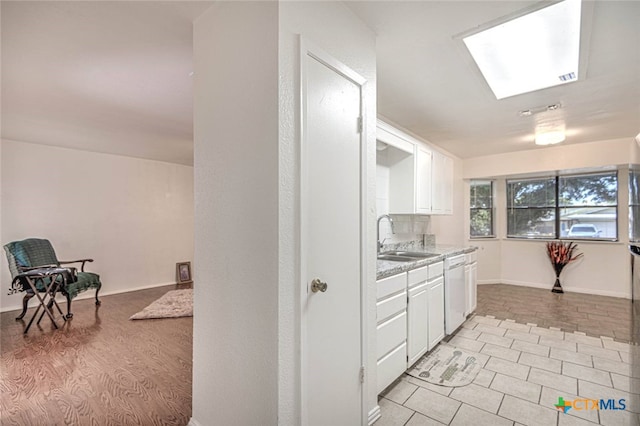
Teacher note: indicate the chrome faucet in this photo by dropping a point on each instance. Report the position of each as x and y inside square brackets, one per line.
[378, 234]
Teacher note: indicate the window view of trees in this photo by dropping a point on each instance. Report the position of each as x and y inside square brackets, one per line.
[481, 219]
[576, 206]
[531, 208]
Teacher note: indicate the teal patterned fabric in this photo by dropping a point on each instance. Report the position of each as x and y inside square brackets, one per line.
[86, 280]
[30, 253]
[34, 252]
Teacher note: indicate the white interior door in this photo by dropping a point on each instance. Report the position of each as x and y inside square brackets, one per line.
[331, 243]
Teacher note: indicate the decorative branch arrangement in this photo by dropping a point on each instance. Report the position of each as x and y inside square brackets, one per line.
[561, 254]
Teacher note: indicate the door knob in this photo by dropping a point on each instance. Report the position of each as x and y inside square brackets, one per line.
[317, 285]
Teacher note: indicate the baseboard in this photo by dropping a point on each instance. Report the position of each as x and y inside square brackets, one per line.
[373, 415]
[89, 294]
[482, 282]
[193, 422]
[569, 289]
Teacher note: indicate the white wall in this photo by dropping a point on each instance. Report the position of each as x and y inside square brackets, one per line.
[605, 268]
[235, 337]
[133, 216]
[563, 157]
[334, 28]
[447, 228]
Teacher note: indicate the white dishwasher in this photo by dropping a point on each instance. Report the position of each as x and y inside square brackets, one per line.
[454, 293]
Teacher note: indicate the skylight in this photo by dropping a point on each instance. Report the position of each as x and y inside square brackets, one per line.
[532, 52]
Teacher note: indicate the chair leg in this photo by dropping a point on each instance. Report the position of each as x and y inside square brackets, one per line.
[25, 303]
[49, 306]
[69, 314]
[98, 302]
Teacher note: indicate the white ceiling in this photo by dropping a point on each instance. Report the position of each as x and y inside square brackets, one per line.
[107, 76]
[429, 84]
[114, 76]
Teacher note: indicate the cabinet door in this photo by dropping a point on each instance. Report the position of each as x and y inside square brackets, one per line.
[467, 289]
[473, 287]
[417, 332]
[436, 311]
[442, 184]
[423, 181]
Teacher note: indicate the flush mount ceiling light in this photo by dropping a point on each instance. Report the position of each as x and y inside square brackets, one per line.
[532, 52]
[550, 137]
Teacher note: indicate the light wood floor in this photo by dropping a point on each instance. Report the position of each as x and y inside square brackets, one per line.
[587, 313]
[100, 368]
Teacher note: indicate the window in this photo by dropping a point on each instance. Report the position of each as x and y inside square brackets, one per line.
[531, 208]
[481, 201]
[588, 206]
[634, 204]
[573, 207]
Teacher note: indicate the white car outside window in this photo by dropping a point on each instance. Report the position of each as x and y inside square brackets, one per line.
[584, 230]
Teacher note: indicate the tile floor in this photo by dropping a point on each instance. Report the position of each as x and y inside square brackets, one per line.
[525, 369]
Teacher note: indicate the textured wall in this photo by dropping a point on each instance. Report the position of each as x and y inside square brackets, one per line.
[235, 342]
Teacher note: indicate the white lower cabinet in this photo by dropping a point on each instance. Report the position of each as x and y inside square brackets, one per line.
[435, 289]
[418, 327]
[391, 366]
[473, 287]
[391, 312]
[410, 319]
[471, 282]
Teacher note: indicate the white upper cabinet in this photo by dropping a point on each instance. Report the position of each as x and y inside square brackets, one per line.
[423, 181]
[442, 184]
[420, 179]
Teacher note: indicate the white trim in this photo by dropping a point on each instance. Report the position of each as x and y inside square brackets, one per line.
[194, 422]
[307, 48]
[568, 289]
[394, 137]
[89, 294]
[302, 233]
[483, 282]
[374, 415]
[364, 243]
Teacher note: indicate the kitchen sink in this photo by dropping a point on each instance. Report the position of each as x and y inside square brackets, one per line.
[404, 256]
[396, 258]
[416, 254]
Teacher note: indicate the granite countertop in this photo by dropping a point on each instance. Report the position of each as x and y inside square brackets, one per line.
[387, 268]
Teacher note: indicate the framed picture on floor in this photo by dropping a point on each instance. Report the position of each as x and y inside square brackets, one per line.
[183, 273]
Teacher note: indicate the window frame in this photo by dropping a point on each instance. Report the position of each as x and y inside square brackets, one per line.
[491, 209]
[557, 220]
[634, 207]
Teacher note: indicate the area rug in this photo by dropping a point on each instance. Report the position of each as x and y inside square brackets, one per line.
[447, 366]
[174, 304]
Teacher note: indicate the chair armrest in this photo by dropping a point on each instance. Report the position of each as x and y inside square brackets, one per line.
[83, 261]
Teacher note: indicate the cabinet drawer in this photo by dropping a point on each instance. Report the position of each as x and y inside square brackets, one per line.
[391, 367]
[391, 333]
[435, 270]
[391, 306]
[417, 276]
[390, 285]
